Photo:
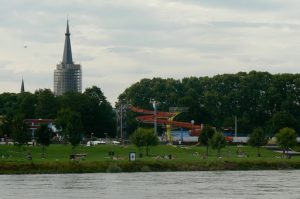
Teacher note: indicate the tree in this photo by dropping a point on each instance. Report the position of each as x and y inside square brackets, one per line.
[6, 126]
[137, 138]
[97, 113]
[257, 139]
[144, 137]
[46, 106]
[44, 135]
[26, 105]
[254, 97]
[286, 138]
[282, 119]
[150, 140]
[71, 125]
[218, 142]
[205, 136]
[21, 134]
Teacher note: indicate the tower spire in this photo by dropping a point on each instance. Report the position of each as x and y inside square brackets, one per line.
[22, 86]
[67, 76]
[67, 56]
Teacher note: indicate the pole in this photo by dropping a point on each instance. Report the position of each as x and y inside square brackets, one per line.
[155, 116]
[155, 121]
[235, 126]
[117, 114]
[121, 122]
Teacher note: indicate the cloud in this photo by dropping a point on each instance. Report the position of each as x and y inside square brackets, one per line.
[248, 5]
[119, 42]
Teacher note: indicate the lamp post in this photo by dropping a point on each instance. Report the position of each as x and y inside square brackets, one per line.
[122, 107]
[117, 122]
[121, 122]
[235, 126]
[92, 135]
[154, 104]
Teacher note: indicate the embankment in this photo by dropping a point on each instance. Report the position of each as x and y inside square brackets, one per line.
[144, 166]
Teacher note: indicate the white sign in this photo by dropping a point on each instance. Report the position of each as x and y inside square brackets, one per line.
[132, 156]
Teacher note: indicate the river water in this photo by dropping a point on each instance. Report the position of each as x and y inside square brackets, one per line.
[282, 184]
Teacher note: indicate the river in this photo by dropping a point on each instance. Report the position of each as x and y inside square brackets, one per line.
[281, 184]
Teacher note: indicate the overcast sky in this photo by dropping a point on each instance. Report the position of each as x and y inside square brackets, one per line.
[119, 42]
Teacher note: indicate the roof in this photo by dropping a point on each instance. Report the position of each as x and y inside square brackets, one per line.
[67, 56]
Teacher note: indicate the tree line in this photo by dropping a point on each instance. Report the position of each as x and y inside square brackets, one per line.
[257, 99]
[286, 138]
[84, 113]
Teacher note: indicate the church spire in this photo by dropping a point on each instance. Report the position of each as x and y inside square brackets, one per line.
[22, 86]
[67, 57]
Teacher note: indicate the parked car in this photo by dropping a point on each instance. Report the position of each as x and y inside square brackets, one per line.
[101, 142]
[116, 142]
[93, 143]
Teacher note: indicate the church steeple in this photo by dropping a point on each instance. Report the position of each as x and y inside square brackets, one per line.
[67, 56]
[67, 76]
[22, 86]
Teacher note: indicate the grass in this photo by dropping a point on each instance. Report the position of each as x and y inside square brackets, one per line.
[62, 153]
[14, 159]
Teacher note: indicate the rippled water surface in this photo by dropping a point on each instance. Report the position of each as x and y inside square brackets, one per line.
[220, 184]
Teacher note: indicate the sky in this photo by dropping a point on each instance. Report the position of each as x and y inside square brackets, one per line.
[120, 42]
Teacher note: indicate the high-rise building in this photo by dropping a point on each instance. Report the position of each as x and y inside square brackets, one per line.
[67, 76]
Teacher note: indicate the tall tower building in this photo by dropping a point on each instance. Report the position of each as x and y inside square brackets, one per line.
[67, 76]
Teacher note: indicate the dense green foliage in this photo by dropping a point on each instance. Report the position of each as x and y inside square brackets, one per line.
[218, 142]
[144, 137]
[205, 137]
[286, 138]
[70, 122]
[257, 139]
[21, 133]
[256, 98]
[96, 113]
[43, 136]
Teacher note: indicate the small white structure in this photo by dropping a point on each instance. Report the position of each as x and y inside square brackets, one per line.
[96, 142]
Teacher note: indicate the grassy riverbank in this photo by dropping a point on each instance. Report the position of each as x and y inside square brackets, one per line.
[14, 159]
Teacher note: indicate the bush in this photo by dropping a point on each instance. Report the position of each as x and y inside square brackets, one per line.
[286, 138]
[113, 168]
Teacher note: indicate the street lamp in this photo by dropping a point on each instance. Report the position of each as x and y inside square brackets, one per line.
[117, 121]
[235, 126]
[154, 104]
[122, 109]
[92, 135]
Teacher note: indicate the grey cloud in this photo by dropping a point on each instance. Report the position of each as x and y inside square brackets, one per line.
[123, 49]
[6, 74]
[84, 57]
[4, 63]
[116, 71]
[253, 5]
[137, 40]
[39, 79]
[240, 24]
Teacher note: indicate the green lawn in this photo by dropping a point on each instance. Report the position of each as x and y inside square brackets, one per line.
[61, 153]
[13, 160]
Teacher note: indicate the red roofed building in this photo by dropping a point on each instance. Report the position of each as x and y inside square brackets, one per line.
[34, 124]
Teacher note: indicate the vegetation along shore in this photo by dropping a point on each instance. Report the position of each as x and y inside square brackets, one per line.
[161, 158]
[226, 122]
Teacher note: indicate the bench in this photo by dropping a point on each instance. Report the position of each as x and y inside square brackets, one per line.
[78, 156]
